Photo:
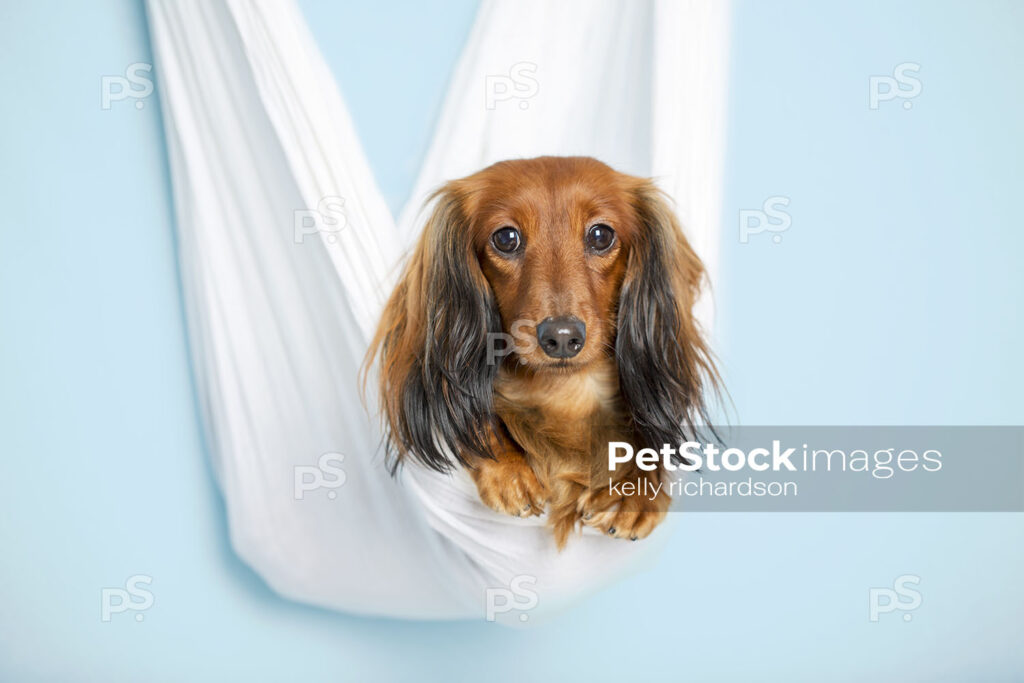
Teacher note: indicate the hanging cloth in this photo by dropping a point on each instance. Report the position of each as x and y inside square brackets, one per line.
[287, 252]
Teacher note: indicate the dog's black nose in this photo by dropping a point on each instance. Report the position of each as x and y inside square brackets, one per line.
[562, 336]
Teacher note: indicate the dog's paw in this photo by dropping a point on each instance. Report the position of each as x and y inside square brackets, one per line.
[509, 485]
[623, 516]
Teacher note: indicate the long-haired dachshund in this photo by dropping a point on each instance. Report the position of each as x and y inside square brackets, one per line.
[545, 312]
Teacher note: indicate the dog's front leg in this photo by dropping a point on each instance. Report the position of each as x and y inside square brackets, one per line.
[628, 505]
[507, 483]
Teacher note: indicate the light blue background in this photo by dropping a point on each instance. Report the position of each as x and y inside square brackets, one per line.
[895, 297]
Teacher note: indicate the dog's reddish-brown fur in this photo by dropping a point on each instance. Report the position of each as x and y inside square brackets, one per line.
[531, 429]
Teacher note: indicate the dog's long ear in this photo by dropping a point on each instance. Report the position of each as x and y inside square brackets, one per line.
[665, 367]
[436, 384]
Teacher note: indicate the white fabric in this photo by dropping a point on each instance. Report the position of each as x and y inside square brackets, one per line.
[258, 140]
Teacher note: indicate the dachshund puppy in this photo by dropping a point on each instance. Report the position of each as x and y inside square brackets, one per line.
[545, 312]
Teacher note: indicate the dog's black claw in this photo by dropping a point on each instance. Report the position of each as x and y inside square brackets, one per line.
[588, 516]
[611, 531]
[633, 538]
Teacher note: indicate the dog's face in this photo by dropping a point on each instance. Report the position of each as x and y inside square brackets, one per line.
[552, 237]
[585, 262]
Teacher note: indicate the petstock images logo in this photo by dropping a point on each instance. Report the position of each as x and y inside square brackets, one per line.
[828, 469]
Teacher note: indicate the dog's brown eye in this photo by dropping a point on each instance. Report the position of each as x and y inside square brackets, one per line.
[600, 237]
[506, 240]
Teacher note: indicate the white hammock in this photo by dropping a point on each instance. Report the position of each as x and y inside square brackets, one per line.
[279, 313]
